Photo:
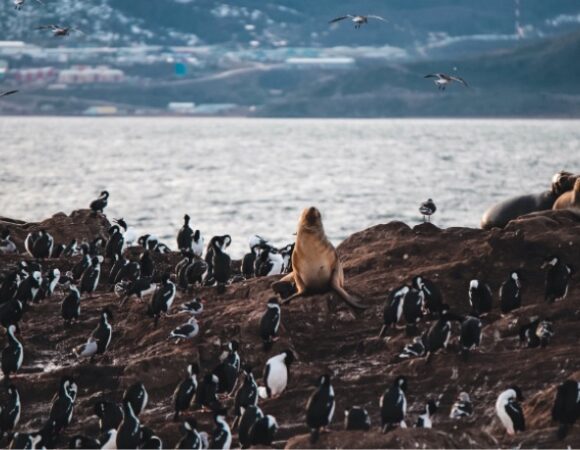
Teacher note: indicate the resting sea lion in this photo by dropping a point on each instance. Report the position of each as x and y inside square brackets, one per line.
[315, 264]
[500, 214]
[570, 199]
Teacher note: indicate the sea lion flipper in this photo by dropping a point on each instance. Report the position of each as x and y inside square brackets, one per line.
[348, 299]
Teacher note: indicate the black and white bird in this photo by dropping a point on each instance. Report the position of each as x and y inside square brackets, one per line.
[358, 20]
[232, 356]
[109, 439]
[249, 259]
[393, 405]
[129, 431]
[83, 263]
[557, 279]
[185, 235]
[7, 246]
[191, 438]
[462, 407]
[70, 308]
[509, 411]
[250, 415]
[276, 374]
[470, 335]
[39, 244]
[25, 440]
[71, 249]
[247, 395]
[9, 286]
[110, 415]
[221, 437]
[206, 394]
[136, 395]
[425, 419]
[188, 330]
[90, 279]
[11, 312]
[439, 333]
[99, 339]
[28, 289]
[510, 293]
[193, 307]
[115, 243]
[220, 261]
[393, 309]
[131, 271]
[264, 431]
[432, 297]
[443, 79]
[149, 440]
[480, 297]
[97, 246]
[320, 407]
[190, 270]
[537, 333]
[268, 261]
[185, 391]
[12, 355]
[162, 298]
[287, 252]
[427, 209]
[414, 349]
[566, 409]
[29, 242]
[270, 322]
[10, 411]
[48, 285]
[357, 418]
[129, 233]
[227, 370]
[413, 307]
[141, 287]
[118, 263]
[62, 408]
[98, 205]
[147, 264]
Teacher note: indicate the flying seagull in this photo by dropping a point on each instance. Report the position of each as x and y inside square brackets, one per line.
[59, 31]
[442, 80]
[358, 20]
[7, 93]
[18, 4]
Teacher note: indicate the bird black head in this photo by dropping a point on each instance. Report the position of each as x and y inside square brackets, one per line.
[431, 407]
[233, 345]
[518, 391]
[289, 358]
[193, 368]
[323, 380]
[105, 194]
[417, 281]
[248, 369]
[146, 433]
[186, 219]
[196, 235]
[107, 313]
[401, 382]
[121, 222]
[95, 261]
[12, 389]
[85, 248]
[220, 413]
[114, 229]
[165, 278]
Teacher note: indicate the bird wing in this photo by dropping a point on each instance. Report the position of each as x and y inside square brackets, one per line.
[434, 75]
[338, 19]
[4, 94]
[459, 80]
[378, 18]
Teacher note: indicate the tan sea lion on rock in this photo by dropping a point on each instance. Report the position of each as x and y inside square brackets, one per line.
[315, 263]
[570, 199]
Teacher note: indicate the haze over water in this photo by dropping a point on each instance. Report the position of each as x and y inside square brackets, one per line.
[246, 176]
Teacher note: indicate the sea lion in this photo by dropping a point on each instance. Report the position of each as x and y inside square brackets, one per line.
[570, 199]
[316, 267]
[501, 213]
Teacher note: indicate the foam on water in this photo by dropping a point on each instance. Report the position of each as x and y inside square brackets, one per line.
[254, 176]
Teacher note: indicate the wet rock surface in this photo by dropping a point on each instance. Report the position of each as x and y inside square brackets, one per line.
[327, 337]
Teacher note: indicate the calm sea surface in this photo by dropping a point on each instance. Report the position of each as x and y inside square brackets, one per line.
[246, 176]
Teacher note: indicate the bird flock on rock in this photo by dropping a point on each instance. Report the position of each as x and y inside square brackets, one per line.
[409, 307]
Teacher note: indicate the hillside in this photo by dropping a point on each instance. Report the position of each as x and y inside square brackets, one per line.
[329, 337]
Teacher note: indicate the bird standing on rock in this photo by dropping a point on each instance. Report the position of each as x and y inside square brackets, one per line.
[221, 437]
[162, 299]
[191, 438]
[276, 374]
[510, 293]
[462, 407]
[100, 338]
[185, 235]
[62, 408]
[425, 420]
[393, 405]
[263, 431]
[250, 415]
[320, 408]
[357, 418]
[247, 395]
[7, 246]
[129, 432]
[509, 411]
[10, 411]
[136, 395]
[115, 243]
[480, 296]
[188, 330]
[110, 415]
[71, 305]
[99, 205]
[566, 409]
[185, 391]
[557, 279]
[91, 276]
[270, 323]
[427, 208]
[220, 261]
[12, 355]
[432, 297]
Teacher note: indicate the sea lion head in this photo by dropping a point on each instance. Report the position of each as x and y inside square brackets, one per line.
[310, 220]
[563, 182]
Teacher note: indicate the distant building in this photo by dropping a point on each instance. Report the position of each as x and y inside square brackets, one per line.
[90, 75]
[101, 111]
[322, 63]
[214, 108]
[181, 107]
[35, 75]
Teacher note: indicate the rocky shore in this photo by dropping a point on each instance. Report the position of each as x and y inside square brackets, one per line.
[327, 337]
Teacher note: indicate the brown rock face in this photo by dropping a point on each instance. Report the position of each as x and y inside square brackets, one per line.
[328, 337]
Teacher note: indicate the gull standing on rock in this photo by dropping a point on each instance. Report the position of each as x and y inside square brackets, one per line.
[427, 208]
